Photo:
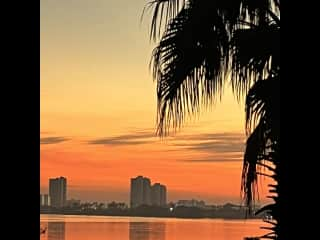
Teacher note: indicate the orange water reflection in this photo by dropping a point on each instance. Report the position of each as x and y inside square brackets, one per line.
[126, 228]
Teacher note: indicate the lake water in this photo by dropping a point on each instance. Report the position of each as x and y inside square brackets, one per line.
[60, 227]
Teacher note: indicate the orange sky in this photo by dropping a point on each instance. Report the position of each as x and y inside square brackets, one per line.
[98, 112]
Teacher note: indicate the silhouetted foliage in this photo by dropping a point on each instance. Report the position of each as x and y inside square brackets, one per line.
[201, 42]
[227, 211]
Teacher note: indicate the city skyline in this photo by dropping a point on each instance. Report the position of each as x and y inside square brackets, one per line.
[98, 112]
[59, 187]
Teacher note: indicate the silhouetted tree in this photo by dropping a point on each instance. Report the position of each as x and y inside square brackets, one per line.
[201, 42]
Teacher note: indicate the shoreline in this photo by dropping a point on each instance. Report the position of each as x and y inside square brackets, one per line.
[144, 216]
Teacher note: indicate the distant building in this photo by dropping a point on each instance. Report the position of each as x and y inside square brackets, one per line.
[140, 191]
[44, 200]
[191, 203]
[73, 203]
[155, 194]
[158, 195]
[146, 191]
[58, 192]
[116, 205]
[163, 196]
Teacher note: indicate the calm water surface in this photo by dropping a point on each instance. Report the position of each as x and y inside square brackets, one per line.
[60, 227]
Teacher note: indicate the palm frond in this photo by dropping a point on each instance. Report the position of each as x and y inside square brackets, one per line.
[189, 64]
[163, 12]
[261, 100]
[203, 40]
[255, 150]
[254, 54]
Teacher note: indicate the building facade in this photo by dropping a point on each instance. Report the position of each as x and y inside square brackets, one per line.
[58, 192]
[45, 200]
[158, 195]
[140, 191]
[146, 199]
[163, 195]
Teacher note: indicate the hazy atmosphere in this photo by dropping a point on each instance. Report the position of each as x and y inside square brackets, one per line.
[98, 112]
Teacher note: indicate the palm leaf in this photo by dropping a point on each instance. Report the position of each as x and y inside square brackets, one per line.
[203, 40]
[254, 55]
[186, 74]
[163, 12]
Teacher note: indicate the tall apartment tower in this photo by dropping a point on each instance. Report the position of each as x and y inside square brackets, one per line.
[158, 195]
[58, 192]
[140, 191]
[163, 195]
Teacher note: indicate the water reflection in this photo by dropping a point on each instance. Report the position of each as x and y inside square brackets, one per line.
[147, 231]
[56, 230]
[128, 228]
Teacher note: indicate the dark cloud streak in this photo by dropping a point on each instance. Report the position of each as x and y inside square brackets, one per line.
[212, 160]
[53, 140]
[127, 139]
[215, 142]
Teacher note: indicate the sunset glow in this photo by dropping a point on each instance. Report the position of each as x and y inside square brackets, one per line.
[98, 112]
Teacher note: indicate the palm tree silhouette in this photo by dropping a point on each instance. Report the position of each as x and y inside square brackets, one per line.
[203, 44]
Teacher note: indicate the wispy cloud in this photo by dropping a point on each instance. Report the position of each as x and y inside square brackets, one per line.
[53, 140]
[135, 138]
[213, 146]
[210, 160]
[210, 143]
[215, 142]
[226, 158]
[212, 136]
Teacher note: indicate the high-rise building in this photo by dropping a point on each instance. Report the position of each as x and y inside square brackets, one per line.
[155, 194]
[158, 195]
[136, 191]
[45, 200]
[58, 191]
[140, 191]
[146, 191]
[163, 195]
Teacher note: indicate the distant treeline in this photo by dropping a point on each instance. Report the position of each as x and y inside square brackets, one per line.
[226, 211]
